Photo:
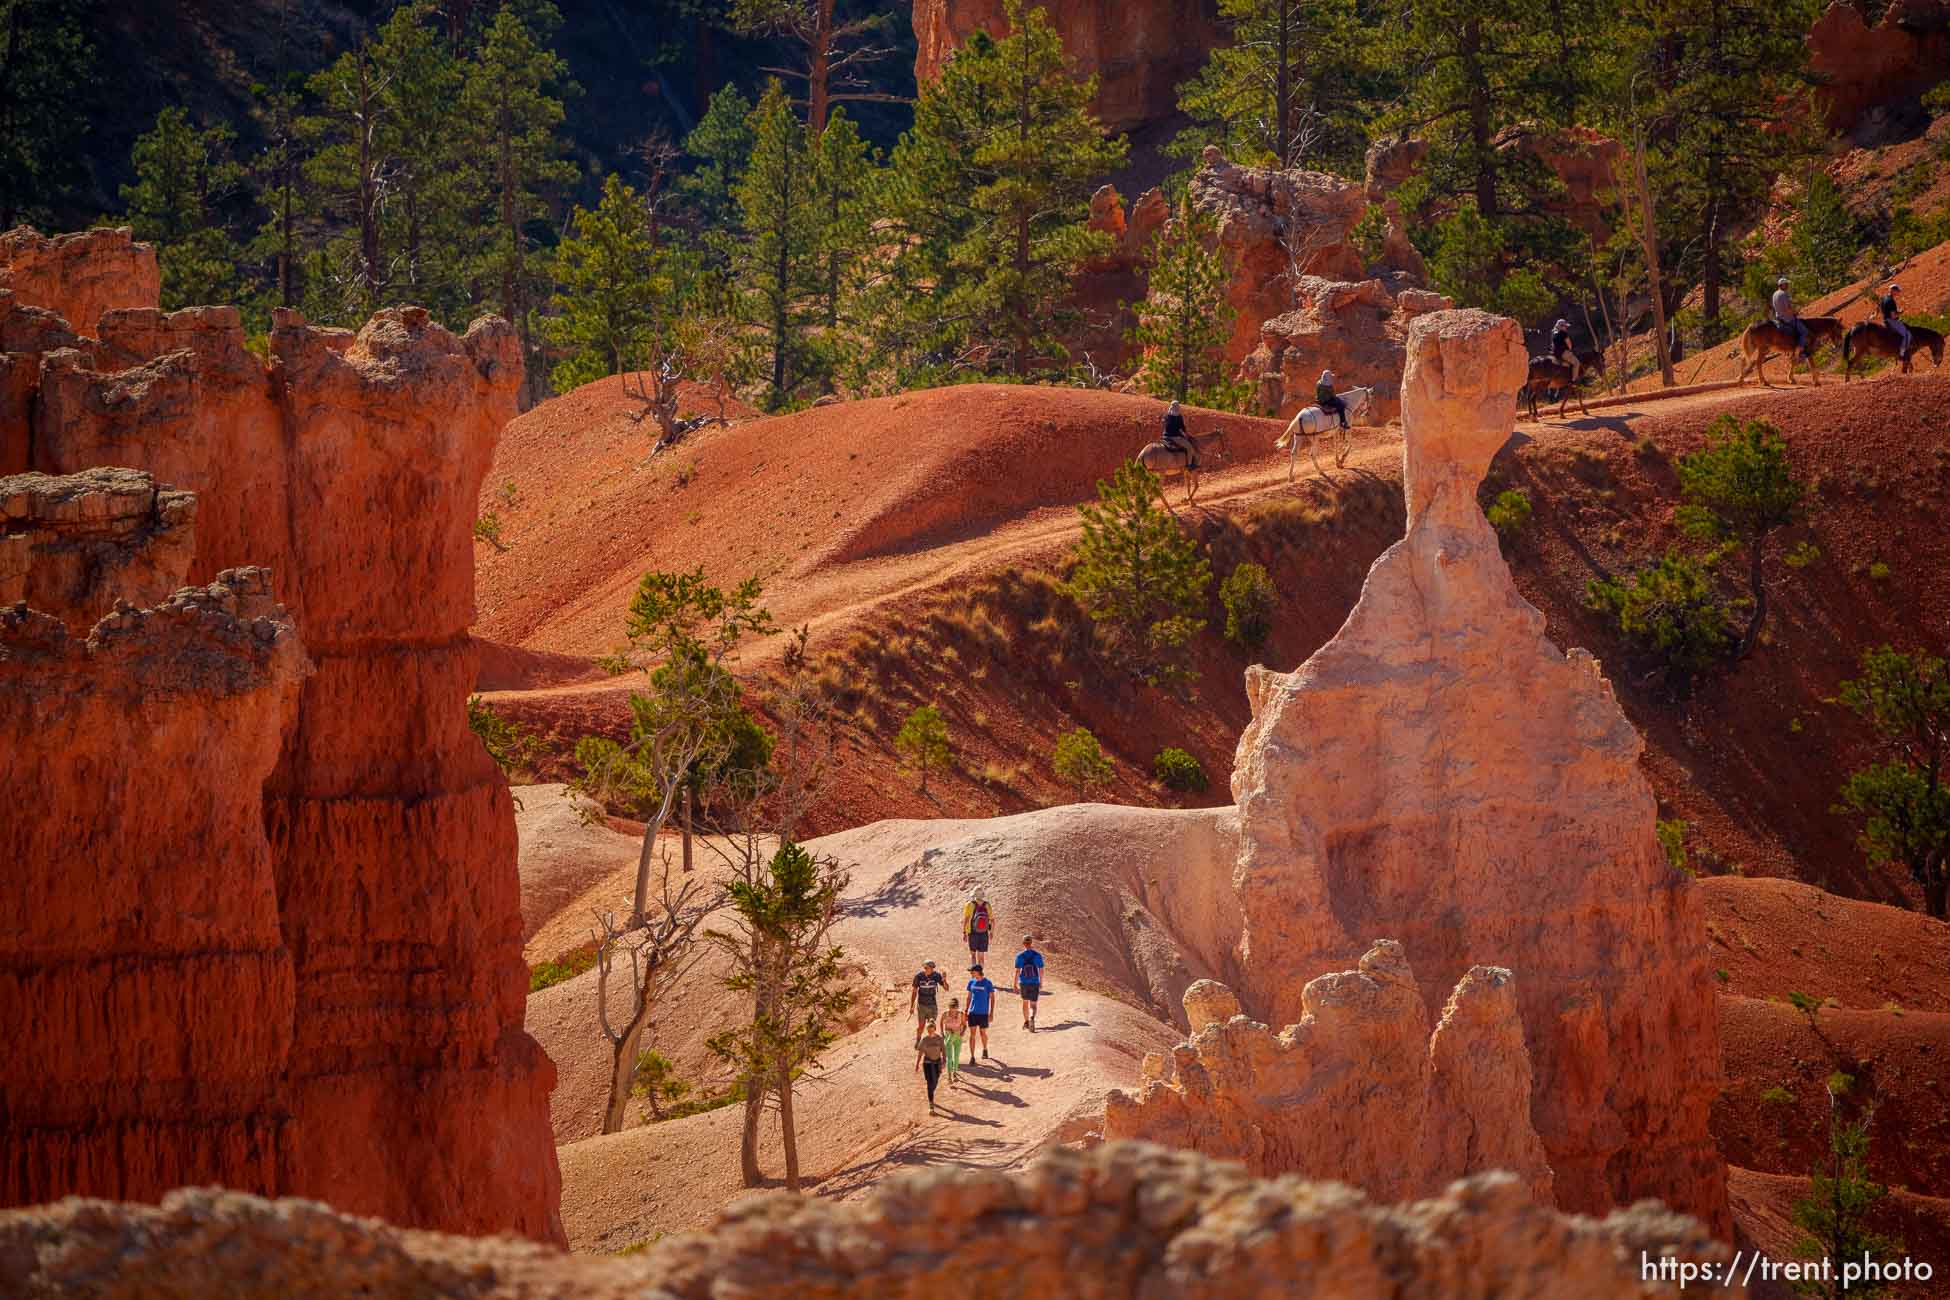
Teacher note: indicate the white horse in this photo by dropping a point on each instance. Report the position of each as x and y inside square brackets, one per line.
[1312, 422]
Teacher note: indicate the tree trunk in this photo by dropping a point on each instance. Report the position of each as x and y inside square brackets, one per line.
[622, 1065]
[1936, 896]
[1651, 240]
[791, 1139]
[748, 1142]
[1755, 547]
[687, 829]
[1283, 91]
[817, 57]
[1479, 118]
[1712, 271]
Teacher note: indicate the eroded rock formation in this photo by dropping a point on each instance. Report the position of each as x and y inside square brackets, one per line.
[1138, 52]
[1357, 330]
[1358, 1090]
[1126, 1220]
[350, 465]
[73, 546]
[1441, 773]
[146, 988]
[1858, 67]
[82, 275]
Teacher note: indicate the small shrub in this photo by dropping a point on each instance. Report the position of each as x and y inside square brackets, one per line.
[1801, 555]
[1672, 838]
[548, 974]
[488, 529]
[923, 741]
[512, 746]
[1805, 1003]
[1720, 974]
[507, 492]
[1672, 609]
[1509, 512]
[655, 1080]
[1178, 770]
[1078, 760]
[1778, 1095]
[1879, 571]
[1249, 597]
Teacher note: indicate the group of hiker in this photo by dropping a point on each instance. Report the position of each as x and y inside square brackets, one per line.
[1789, 318]
[939, 1035]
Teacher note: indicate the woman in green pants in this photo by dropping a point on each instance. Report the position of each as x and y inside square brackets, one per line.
[953, 1025]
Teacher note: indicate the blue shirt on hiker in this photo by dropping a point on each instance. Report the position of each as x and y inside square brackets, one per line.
[979, 993]
[1029, 967]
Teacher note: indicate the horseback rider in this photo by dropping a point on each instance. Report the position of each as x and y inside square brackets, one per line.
[1787, 317]
[1324, 397]
[1562, 351]
[1176, 439]
[1892, 317]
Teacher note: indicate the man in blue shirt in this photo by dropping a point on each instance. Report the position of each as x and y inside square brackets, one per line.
[1029, 980]
[981, 1002]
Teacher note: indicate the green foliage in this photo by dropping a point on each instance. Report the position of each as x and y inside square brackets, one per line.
[1136, 573]
[1825, 240]
[655, 1080]
[1185, 320]
[49, 64]
[1483, 265]
[1509, 512]
[1672, 839]
[1806, 1004]
[1079, 761]
[1740, 489]
[1273, 95]
[512, 746]
[1834, 1215]
[723, 142]
[1778, 1096]
[1903, 801]
[488, 529]
[923, 741]
[1671, 609]
[1249, 597]
[1802, 554]
[185, 182]
[615, 291]
[776, 265]
[991, 189]
[1177, 770]
[548, 974]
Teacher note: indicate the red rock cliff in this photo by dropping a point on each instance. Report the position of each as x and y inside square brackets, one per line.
[349, 465]
[1138, 52]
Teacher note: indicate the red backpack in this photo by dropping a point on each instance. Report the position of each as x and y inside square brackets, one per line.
[980, 922]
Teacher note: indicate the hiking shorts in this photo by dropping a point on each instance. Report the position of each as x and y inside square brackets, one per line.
[1029, 992]
[978, 941]
[978, 1020]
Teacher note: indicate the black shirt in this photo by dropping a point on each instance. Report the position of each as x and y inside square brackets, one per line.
[1889, 309]
[1174, 424]
[927, 982]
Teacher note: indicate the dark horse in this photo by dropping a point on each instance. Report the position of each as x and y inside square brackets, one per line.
[1765, 337]
[1870, 339]
[1546, 372]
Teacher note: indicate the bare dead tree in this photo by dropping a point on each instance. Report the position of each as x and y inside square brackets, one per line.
[835, 51]
[657, 954]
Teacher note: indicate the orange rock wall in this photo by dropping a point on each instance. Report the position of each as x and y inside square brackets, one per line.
[1858, 67]
[350, 466]
[82, 275]
[1138, 52]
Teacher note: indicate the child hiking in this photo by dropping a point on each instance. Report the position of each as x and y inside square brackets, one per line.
[953, 1026]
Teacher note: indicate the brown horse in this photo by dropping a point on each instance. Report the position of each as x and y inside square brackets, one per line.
[1546, 373]
[1162, 460]
[1765, 337]
[1870, 339]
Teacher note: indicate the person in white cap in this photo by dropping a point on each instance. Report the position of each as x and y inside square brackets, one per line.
[1175, 438]
[977, 922]
[1892, 316]
[1325, 398]
[1562, 351]
[1786, 316]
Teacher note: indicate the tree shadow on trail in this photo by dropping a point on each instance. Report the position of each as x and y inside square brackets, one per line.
[898, 894]
[922, 1151]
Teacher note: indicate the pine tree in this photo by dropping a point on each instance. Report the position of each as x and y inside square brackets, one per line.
[1185, 320]
[513, 99]
[435, 190]
[993, 186]
[348, 175]
[777, 267]
[836, 43]
[1281, 92]
[47, 64]
[923, 741]
[1136, 573]
[1834, 1214]
[1078, 760]
[185, 178]
[722, 140]
[1740, 489]
[1904, 801]
[614, 290]
[844, 171]
[1825, 242]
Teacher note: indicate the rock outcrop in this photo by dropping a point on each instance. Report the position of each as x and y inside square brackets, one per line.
[1358, 1090]
[73, 546]
[1441, 773]
[146, 989]
[1858, 67]
[1357, 330]
[82, 275]
[350, 465]
[1138, 52]
[1123, 1221]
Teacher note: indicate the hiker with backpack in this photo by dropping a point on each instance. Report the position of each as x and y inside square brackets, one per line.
[1029, 980]
[977, 921]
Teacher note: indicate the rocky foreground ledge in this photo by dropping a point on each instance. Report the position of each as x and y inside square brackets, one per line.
[1124, 1220]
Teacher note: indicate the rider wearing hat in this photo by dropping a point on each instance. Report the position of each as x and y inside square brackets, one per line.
[1786, 316]
[1324, 397]
[1562, 351]
[1175, 438]
[1892, 316]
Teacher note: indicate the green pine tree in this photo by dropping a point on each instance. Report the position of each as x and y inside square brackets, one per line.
[777, 268]
[1078, 760]
[1834, 1215]
[722, 140]
[614, 291]
[923, 741]
[185, 180]
[1185, 320]
[1904, 801]
[1282, 92]
[992, 188]
[1825, 241]
[1136, 573]
[1740, 489]
[47, 68]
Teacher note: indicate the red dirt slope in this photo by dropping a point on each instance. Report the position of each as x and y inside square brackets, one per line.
[589, 512]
